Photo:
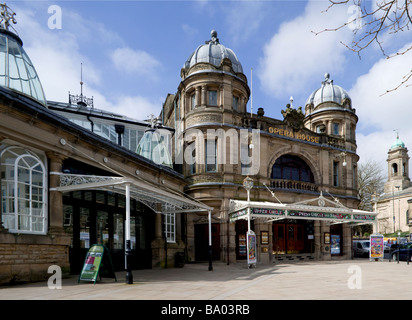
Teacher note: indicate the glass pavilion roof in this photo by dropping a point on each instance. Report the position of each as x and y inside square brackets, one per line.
[16, 69]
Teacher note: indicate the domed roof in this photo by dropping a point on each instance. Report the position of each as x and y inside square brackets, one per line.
[153, 146]
[328, 92]
[213, 52]
[16, 69]
[397, 143]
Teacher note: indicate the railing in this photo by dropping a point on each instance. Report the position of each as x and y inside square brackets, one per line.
[293, 185]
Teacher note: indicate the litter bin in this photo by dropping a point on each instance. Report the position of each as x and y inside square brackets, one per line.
[179, 259]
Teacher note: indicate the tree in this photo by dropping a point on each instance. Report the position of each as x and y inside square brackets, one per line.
[371, 181]
[371, 24]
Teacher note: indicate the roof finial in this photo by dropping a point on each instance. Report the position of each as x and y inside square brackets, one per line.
[81, 79]
[6, 15]
[81, 100]
[397, 133]
[213, 37]
[327, 79]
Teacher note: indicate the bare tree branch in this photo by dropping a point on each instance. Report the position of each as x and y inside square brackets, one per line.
[388, 17]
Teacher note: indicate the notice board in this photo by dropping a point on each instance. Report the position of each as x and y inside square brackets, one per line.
[97, 263]
[376, 247]
[251, 248]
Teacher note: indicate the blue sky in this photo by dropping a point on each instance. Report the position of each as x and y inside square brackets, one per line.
[132, 53]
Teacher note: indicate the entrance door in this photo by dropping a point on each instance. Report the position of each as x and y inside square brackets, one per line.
[91, 222]
[202, 242]
[279, 238]
[288, 238]
[299, 243]
[295, 242]
[291, 229]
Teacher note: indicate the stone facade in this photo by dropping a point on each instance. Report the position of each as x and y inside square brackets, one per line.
[394, 205]
[212, 99]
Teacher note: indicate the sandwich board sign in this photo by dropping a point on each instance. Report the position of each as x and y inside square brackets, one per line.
[97, 262]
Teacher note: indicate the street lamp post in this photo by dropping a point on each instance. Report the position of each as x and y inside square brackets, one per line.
[399, 221]
[250, 236]
[248, 185]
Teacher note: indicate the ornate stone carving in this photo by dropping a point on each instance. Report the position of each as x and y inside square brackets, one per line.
[293, 117]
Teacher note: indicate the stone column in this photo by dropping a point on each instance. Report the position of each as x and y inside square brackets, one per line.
[325, 247]
[203, 96]
[197, 97]
[158, 244]
[55, 197]
[318, 240]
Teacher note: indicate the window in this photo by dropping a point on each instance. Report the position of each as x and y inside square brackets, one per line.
[170, 227]
[289, 167]
[394, 169]
[213, 97]
[193, 101]
[23, 191]
[211, 155]
[335, 173]
[235, 103]
[192, 164]
[320, 128]
[245, 158]
[335, 128]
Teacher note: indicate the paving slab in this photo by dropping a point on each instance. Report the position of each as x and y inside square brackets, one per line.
[358, 279]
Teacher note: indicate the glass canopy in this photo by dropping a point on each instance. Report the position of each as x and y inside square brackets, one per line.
[16, 69]
[153, 146]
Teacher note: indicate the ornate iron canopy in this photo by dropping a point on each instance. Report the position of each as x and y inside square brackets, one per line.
[315, 209]
[160, 200]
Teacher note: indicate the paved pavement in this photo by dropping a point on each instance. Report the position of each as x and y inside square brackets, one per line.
[358, 279]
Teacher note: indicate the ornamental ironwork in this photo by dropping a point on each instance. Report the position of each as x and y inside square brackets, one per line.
[7, 16]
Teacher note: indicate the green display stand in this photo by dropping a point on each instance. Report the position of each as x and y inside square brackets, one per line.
[97, 262]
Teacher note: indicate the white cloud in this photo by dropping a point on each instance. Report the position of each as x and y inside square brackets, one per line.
[137, 107]
[296, 55]
[57, 55]
[136, 62]
[379, 113]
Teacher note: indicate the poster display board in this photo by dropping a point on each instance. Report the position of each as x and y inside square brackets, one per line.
[97, 262]
[335, 245]
[376, 247]
[251, 248]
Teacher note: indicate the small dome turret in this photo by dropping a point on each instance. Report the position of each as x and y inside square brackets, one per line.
[398, 143]
[329, 92]
[213, 52]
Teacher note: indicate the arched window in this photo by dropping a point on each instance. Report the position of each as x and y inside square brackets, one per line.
[23, 191]
[289, 167]
[395, 169]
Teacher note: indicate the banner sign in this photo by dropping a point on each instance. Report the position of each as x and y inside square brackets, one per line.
[97, 262]
[376, 247]
[251, 248]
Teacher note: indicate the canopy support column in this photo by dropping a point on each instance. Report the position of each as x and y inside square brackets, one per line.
[210, 241]
[128, 251]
